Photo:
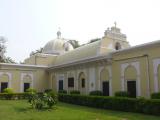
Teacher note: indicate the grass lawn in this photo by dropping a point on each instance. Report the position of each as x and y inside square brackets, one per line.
[20, 110]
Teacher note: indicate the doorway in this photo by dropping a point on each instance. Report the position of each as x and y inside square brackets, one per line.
[131, 88]
[105, 88]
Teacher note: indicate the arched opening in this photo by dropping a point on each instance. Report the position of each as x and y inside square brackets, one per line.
[104, 84]
[27, 81]
[117, 46]
[4, 79]
[130, 81]
[82, 83]
[158, 71]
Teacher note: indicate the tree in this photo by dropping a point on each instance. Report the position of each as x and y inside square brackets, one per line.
[36, 51]
[3, 58]
[74, 43]
[2, 48]
[94, 40]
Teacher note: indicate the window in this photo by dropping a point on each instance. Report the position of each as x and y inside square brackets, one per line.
[4, 85]
[83, 83]
[118, 46]
[26, 86]
[71, 82]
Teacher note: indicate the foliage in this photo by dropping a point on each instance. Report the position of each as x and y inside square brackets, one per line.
[38, 101]
[8, 90]
[96, 93]
[12, 96]
[31, 90]
[48, 90]
[94, 40]
[74, 43]
[155, 95]
[114, 103]
[3, 58]
[122, 94]
[36, 51]
[74, 92]
[62, 91]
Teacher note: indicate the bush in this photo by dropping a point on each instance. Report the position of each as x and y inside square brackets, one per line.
[96, 93]
[31, 90]
[8, 93]
[8, 90]
[48, 90]
[155, 95]
[114, 103]
[38, 101]
[62, 91]
[74, 92]
[122, 94]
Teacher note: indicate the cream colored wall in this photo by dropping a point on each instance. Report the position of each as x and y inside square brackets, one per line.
[41, 59]
[40, 78]
[143, 56]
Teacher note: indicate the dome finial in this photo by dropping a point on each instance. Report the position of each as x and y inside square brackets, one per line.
[115, 24]
[58, 33]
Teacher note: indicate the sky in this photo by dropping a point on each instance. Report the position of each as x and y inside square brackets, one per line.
[30, 24]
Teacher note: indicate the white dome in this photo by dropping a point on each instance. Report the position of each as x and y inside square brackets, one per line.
[57, 46]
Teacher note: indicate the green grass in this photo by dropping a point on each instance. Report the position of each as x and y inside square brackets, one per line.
[20, 110]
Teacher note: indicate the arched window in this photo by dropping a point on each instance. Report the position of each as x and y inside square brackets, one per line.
[117, 46]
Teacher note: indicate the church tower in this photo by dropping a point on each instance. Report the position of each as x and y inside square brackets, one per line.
[113, 40]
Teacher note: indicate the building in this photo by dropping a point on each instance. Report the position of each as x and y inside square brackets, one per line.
[109, 65]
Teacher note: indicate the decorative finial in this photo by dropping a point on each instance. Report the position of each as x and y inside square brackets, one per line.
[115, 24]
[58, 33]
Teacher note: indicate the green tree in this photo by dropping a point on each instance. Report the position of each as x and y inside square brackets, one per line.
[74, 43]
[36, 51]
[3, 58]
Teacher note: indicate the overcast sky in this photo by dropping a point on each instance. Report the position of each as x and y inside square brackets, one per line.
[30, 24]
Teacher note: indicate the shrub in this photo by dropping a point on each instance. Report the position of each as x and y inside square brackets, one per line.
[122, 94]
[9, 93]
[38, 101]
[155, 95]
[31, 90]
[74, 92]
[62, 91]
[8, 90]
[114, 103]
[50, 99]
[96, 93]
[48, 90]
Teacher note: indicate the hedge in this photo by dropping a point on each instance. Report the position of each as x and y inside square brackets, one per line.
[96, 92]
[74, 92]
[155, 95]
[9, 96]
[114, 103]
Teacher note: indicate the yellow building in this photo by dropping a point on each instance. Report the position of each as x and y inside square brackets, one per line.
[109, 65]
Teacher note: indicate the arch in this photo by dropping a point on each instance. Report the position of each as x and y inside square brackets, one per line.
[4, 78]
[130, 73]
[82, 82]
[104, 75]
[117, 46]
[26, 81]
[104, 82]
[158, 74]
[27, 78]
[130, 76]
[4, 81]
